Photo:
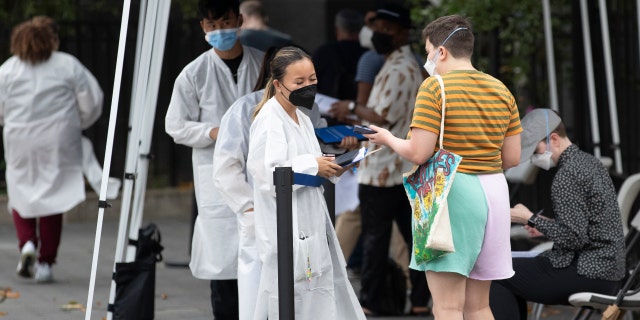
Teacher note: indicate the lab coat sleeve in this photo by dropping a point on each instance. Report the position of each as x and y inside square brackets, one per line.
[2, 103]
[182, 119]
[3, 89]
[230, 157]
[89, 96]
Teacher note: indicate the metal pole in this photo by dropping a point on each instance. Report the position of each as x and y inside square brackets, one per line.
[591, 87]
[283, 181]
[330, 199]
[638, 19]
[611, 91]
[551, 62]
[113, 115]
[146, 132]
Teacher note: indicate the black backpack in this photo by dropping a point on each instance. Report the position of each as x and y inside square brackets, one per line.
[393, 295]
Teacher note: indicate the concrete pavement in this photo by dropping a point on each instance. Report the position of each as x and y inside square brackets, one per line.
[178, 294]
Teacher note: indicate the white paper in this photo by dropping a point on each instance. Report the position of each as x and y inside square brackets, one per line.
[525, 254]
[324, 103]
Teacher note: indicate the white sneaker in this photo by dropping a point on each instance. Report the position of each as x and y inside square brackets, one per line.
[43, 273]
[27, 259]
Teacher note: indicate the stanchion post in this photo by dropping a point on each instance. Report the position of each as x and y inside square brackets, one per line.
[330, 199]
[283, 181]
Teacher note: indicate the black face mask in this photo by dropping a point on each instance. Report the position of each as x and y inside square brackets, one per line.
[382, 42]
[303, 97]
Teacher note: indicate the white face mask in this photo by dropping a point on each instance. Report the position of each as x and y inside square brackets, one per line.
[543, 161]
[430, 65]
[365, 37]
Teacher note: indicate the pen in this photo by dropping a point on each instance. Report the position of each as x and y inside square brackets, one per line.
[328, 155]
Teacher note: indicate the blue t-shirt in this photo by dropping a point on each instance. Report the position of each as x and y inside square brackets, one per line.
[370, 63]
[368, 66]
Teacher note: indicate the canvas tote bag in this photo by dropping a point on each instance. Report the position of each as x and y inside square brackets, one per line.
[427, 187]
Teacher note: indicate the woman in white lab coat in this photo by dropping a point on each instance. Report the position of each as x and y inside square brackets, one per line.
[46, 99]
[236, 185]
[281, 135]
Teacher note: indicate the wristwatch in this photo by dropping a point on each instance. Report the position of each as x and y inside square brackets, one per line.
[352, 106]
[532, 222]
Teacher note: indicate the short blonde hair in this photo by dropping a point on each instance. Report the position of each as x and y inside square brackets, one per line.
[34, 40]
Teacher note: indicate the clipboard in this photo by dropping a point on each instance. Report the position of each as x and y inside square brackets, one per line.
[353, 156]
[335, 134]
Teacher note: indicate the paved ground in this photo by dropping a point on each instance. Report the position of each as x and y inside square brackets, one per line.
[178, 294]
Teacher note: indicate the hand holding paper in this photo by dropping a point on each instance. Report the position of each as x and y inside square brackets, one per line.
[354, 156]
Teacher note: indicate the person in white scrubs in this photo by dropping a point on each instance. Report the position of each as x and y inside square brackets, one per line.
[46, 99]
[281, 135]
[202, 93]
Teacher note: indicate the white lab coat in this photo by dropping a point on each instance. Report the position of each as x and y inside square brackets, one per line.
[43, 109]
[276, 140]
[202, 93]
[235, 185]
[236, 188]
[92, 171]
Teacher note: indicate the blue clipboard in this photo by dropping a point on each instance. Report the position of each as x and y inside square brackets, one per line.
[335, 134]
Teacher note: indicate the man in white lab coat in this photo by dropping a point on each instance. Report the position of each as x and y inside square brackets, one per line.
[202, 93]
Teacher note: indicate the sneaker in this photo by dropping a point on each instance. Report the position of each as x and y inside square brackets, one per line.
[27, 259]
[43, 273]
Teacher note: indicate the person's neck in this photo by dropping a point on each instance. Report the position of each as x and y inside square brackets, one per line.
[386, 56]
[345, 36]
[288, 107]
[232, 53]
[254, 24]
[565, 143]
[459, 64]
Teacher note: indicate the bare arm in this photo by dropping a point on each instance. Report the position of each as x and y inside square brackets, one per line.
[511, 151]
[417, 149]
[364, 90]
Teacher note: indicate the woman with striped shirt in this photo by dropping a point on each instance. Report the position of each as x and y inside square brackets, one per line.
[482, 125]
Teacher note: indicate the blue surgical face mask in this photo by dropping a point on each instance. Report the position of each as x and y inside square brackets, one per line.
[222, 39]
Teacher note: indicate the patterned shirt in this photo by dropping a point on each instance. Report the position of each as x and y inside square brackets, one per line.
[480, 112]
[587, 224]
[392, 97]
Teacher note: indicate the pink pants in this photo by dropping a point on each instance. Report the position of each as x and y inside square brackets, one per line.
[50, 228]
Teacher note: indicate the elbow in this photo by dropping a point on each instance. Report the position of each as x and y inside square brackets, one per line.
[510, 163]
[419, 158]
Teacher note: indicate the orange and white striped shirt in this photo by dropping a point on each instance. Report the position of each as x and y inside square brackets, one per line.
[480, 113]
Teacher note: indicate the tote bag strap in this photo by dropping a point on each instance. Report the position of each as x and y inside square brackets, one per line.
[443, 106]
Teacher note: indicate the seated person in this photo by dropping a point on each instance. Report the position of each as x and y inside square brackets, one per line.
[588, 241]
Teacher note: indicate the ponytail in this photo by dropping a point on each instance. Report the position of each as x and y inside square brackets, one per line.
[269, 91]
